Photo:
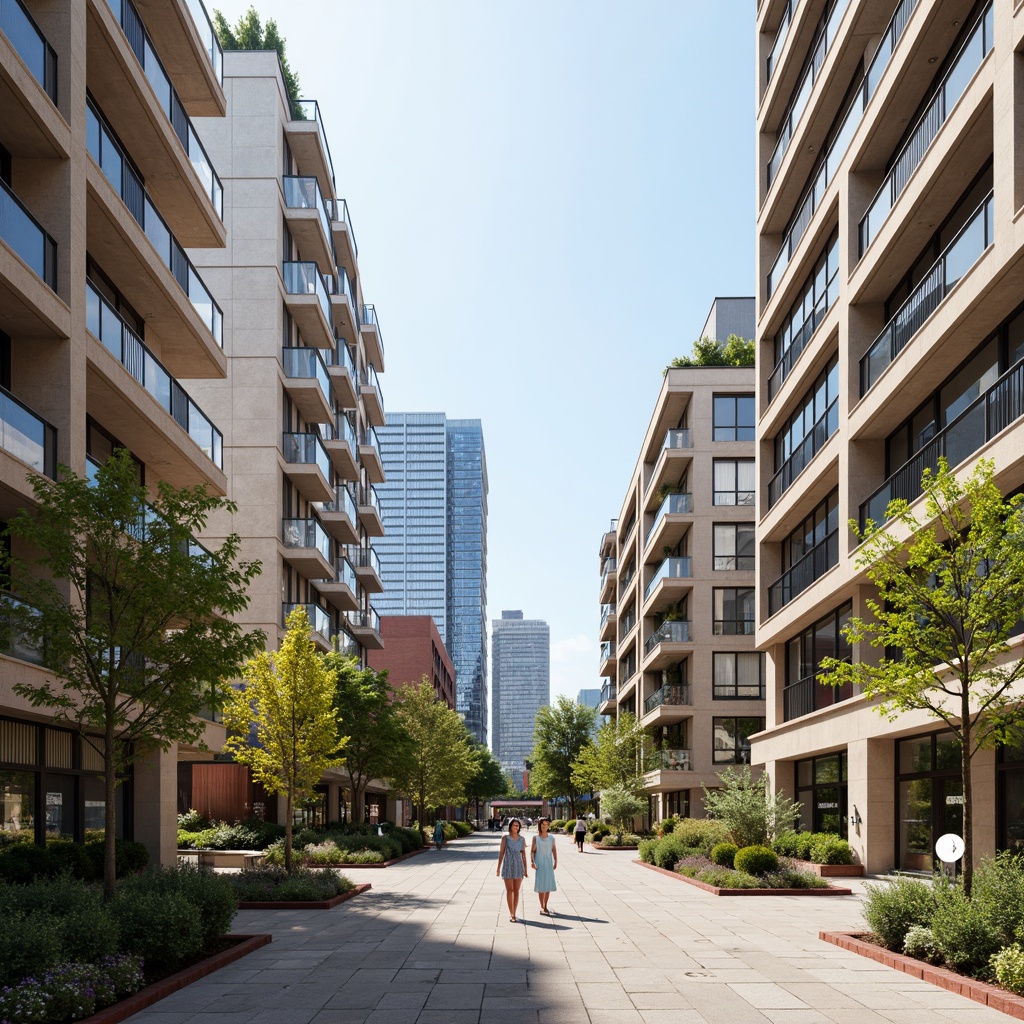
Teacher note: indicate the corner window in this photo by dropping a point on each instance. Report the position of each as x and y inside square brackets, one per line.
[734, 418]
[734, 546]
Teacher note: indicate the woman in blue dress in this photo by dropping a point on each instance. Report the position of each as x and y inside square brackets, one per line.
[512, 865]
[543, 860]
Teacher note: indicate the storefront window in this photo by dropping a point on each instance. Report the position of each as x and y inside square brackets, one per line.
[1010, 790]
[18, 801]
[929, 795]
[821, 789]
[59, 806]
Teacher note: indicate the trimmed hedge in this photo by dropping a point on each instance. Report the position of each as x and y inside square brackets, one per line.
[22, 862]
[756, 860]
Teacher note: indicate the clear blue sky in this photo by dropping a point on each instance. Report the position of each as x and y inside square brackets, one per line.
[547, 195]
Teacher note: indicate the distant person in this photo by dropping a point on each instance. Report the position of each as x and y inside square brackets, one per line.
[438, 834]
[580, 833]
[512, 865]
[543, 860]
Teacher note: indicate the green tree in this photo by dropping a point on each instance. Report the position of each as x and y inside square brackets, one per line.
[736, 351]
[441, 759]
[287, 701]
[249, 33]
[616, 757]
[132, 658]
[377, 738]
[744, 805]
[622, 805]
[488, 780]
[561, 731]
[950, 593]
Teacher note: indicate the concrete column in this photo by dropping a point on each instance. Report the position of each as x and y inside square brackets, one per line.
[156, 805]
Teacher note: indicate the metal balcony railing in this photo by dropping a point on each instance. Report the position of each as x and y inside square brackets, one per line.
[780, 38]
[365, 558]
[303, 193]
[208, 36]
[339, 213]
[304, 278]
[675, 631]
[674, 694]
[13, 642]
[805, 571]
[309, 110]
[364, 619]
[607, 651]
[608, 692]
[674, 760]
[343, 502]
[826, 425]
[30, 44]
[368, 496]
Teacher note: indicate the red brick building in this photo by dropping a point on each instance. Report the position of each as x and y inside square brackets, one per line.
[413, 648]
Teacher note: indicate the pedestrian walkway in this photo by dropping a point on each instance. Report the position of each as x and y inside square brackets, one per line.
[432, 944]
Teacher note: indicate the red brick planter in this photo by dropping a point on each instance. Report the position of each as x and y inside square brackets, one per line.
[304, 905]
[830, 870]
[598, 846]
[154, 993]
[383, 864]
[979, 991]
[716, 891]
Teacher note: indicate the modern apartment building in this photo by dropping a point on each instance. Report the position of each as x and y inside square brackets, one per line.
[889, 288]
[103, 317]
[677, 587]
[521, 686]
[433, 555]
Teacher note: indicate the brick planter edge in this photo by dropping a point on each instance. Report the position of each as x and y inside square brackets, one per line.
[304, 905]
[716, 891]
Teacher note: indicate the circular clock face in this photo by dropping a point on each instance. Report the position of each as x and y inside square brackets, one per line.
[949, 848]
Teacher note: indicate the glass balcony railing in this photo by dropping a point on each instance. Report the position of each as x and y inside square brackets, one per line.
[305, 533]
[607, 651]
[303, 193]
[307, 364]
[958, 257]
[802, 93]
[990, 413]
[339, 213]
[306, 450]
[607, 611]
[368, 497]
[341, 356]
[106, 326]
[344, 573]
[673, 505]
[608, 692]
[675, 695]
[343, 502]
[674, 568]
[341, 284]
[208, 36]
[27, 436]
[369, 317]
[372, 380]
[952, 87]
[309, 110]
[368, 439]
[672, 760]
[13, 642]
[30, 44]
[138, 39]
[802, 573]
[365, 619]
[626, 578]
[780, 37]
[340, 430]
[887, 46]
[677, 438]
[26, 236]
[813, 442]
[675, 631]
[319, 618]
[118, 170]
[304, 278]
[365, 558]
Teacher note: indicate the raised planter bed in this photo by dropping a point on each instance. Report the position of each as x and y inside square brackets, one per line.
[151, 994]
[222, 858]
[598, 846]
[716, 891]
[831, 870]
[979, 991]
[383, 864]
[304, 905]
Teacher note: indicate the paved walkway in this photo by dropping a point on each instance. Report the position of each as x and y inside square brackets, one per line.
[432, 944]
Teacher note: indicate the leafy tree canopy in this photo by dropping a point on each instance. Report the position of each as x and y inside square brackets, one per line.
[616, 758]
[744, 805]
[249, 33]
[622, 805]
[488, 780]
[736, 351]
[560, 732]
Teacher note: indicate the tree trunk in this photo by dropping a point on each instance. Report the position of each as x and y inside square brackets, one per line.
[965, 772]
[109, 811]
[289, 814]
[359, 802]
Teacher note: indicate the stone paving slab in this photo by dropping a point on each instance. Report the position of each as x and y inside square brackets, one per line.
[431, 943]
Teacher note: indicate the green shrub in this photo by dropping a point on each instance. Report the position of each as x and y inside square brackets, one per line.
[129, 858]
[920, 944]
[409, 838]
[893, 908]
[270, 884]
[786, 842]
[788, 878]
[701, 834]
[597, 831]
[724, 878]
[463, 828]
[668, 850]
[831, 849]
[666, 825]
[724, 854]
[363, 857]
[998, 891]
[555, 825]
[804, 845]
[24, 862]
[756, 860]
[646, 850]
[1008, 967]
[28, 945]
[164, 928]
[963, 931]
[610, 842]
[192, 821]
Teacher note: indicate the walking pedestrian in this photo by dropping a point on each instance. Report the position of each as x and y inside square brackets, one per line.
[512, 865]
[543, 860]
[580, 833]
[438, 834]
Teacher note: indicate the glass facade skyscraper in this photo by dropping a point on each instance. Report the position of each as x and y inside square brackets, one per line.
[433, 554]
[520, 684]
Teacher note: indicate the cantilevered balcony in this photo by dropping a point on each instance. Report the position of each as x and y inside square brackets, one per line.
[607, 628]
[805, 571]
[308, 302]
[26, 436]
[669, 704]
[341, 589]
[366, 563]
[369, 511]
[307, 465]
[26, 237]
[365, 627]
[345, 249]
[307, 548]
[342, 369]
[667, 644]
[340, 517]
[609, 573]
[340, 441]
[369, 455]
[373, 343]
[309, 220]
[673, 518]
[824, 427]
[308, 383]
[671, 582]
[319, 621]
[969, 245]
[30, 44]
[343, 303]
[308, 142]
[369, 392]
[606, 659]
[127, 417]
[676, 453]
[663, 768]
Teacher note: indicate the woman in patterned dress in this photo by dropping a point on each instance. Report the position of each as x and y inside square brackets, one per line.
[543, 860]
[512, 865]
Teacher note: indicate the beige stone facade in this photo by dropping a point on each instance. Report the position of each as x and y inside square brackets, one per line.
[677, 579]
[889, 288]
[102, 318]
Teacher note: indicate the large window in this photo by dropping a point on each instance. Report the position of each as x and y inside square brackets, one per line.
[734, 418]
[1010, 790]
[733, 611]
[930, 797]
[738, 675]
[821, 791]
[804, 655]
[734, 482]
[732, 739]
[734, 546]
